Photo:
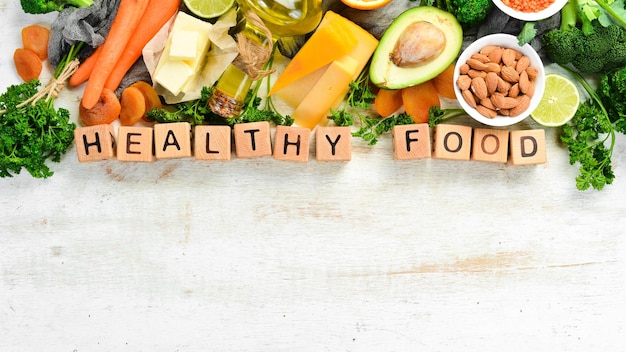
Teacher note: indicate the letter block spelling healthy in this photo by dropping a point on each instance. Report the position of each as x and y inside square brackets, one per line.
[212, 142]
[253, 139]
[333, 143]
[291, 143]
[135, 143]
[95, 143]
[172, 140]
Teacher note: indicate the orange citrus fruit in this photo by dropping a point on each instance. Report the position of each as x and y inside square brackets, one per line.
[366, 4]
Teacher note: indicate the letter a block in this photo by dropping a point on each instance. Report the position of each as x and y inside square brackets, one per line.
[212, 142]
[253, 139]
[490, 145]
[333, 143]
[452, 142]
[528, 147]
[135, 143]
[411, 142]
[94, 142]
[172, 140]
[292, 143]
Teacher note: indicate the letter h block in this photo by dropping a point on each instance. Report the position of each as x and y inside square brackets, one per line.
[528, 147]
[411, 142]
[452, 142]
[292, 143]
[95, 143]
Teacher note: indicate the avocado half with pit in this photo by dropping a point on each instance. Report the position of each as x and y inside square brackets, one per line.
[417, 46]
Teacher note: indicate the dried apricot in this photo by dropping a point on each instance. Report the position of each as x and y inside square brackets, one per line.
[106, 110]
[388, 101]
[150, 94]
[419, 99]
[35, 38]
[27, 64]
[133, 106]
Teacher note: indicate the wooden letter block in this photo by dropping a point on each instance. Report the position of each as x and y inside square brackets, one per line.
[95, 142]
[333, 143]
[135, 143]
[212, 142]
[292, 143]
[490, 145]
[172, 140]
[452, 142]
[411, 141]
[528, 147]
[253, 139]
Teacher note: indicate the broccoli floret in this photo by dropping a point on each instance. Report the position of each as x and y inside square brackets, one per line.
[469, 13]
[47, 6]
[588, 64]
[561, 45]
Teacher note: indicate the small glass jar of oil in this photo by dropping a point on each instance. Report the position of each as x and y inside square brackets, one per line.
[286, 18]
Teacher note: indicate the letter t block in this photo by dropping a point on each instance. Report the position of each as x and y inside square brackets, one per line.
[253, 139]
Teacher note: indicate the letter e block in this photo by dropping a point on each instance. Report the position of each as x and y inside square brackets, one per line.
[94, 142]
[452, 142]
[411, 142]
[172, 140]
[212, 142]
[333, 143]
[490, 145]
[528, 147]
[253, 139]
[135, 143]
[292, 143]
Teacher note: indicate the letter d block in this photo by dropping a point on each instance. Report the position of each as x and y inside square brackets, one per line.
[94, 142]
[411, 141]
[253, 139]
[452, 142]
[528, 147]
[333, 143]
[172, 140]
[490, 145]
[212, 142]
[292, 143]
[135, 143]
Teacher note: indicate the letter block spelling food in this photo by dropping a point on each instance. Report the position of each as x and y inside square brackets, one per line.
[292, 143]
[490, 145]
[135, 143]
[212, 142]
[528, 147]
[411, 141]
[452, 142]
[172, 140]
[95, 142]
[333, 143]
[253, 139]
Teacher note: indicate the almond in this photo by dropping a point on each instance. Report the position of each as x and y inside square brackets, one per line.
[486, 112]
[496, 55]
[492, 82]
[492, 67]
[486, 102]
[531, 89]
[501, 101]
[522, 64]
[532, 72]
[509, 74]
[476, 64]
[464, 69]
[508, 57]
[488, 49]
[480, 57]
[524, 82]
[523, 104]
[503, 86]
[463, 82]
[514, 90]
[476, 73]
[469, 98]
[479, 87]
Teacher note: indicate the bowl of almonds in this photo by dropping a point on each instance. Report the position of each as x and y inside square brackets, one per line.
[497, 81]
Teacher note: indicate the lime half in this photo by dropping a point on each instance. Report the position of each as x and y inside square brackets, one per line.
[559, 102]
[209, 8]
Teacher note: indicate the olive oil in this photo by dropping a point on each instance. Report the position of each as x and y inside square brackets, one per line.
[286, 18]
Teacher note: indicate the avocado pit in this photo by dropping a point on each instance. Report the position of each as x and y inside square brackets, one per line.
[420, 43]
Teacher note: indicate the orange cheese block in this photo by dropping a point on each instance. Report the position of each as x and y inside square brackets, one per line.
[335, 82]
[326, 45]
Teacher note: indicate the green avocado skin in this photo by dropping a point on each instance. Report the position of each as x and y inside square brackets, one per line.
[385, 74]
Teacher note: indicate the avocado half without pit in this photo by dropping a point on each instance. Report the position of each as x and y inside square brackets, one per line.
[416, 47]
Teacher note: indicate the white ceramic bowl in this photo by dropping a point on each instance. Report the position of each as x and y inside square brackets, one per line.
[505, 41]
[555, 7]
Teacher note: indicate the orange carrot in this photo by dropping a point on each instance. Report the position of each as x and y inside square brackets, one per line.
[123, 27]
[155, 16]
[81, 75]
[388, 101]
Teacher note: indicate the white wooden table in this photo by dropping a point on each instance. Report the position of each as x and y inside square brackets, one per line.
[263, 255]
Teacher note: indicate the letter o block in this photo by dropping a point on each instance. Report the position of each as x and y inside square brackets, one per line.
[452, 142]
[490, 145]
